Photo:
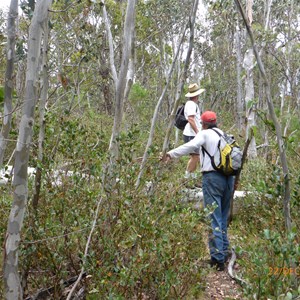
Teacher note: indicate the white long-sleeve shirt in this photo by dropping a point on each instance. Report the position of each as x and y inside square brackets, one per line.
[206, 138]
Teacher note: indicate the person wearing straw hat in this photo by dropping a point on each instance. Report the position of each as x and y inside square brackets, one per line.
[192, 114]
[217, 188]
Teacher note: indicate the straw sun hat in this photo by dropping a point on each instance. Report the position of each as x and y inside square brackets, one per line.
[194, 90]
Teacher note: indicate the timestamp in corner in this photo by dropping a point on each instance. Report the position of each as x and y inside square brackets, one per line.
[285, 271]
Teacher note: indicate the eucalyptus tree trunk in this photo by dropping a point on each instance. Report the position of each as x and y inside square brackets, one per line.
[42, 106]
[289, 80]
[268, 13]
[121, 81]
[8, 89]
[248, 64]
[261, 104]
[280, 141]
[12, 284]
[240, 102]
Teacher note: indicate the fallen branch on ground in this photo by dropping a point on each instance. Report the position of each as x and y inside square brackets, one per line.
[231, 272]
[44, 293]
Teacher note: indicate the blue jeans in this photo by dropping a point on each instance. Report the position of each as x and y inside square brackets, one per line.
[218, 188]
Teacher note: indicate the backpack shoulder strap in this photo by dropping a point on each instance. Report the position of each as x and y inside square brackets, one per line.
[181, 109]
[210, 156]
[205, 151]
[203, 148]
[219, 134]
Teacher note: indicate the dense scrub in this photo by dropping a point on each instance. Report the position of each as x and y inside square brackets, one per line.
[146, 242]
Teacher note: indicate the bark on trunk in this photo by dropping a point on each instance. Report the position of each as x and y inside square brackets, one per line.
[240, 102]
[121, 80]
[42, 106]
[261, 104]
[280, 141]
[9, 85]
[12, 284]
[248, 64]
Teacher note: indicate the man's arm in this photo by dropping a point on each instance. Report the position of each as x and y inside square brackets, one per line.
[191, 120]
[191, 146]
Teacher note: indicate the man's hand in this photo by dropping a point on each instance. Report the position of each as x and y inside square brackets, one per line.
[165, 158]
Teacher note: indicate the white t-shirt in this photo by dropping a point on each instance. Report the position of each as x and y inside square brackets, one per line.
[191, 109]
[207, 138]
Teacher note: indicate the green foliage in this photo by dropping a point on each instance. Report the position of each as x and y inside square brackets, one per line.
[146, 243]
[143, 244]
[148, 254]
[268, 256]
[251, 103]
[141, 104]
[137, 93]
[28, 7]
[273, 274]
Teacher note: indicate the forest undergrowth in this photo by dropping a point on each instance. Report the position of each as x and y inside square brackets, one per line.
[147, 244]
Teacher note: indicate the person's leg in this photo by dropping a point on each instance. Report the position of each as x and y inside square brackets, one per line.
[192, 163]
[225, 211]
[213, 188]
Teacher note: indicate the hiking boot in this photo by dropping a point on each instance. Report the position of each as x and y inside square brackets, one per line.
[227, 256]
[219, 266]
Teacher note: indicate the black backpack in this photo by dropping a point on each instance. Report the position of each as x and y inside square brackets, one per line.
[180, 120]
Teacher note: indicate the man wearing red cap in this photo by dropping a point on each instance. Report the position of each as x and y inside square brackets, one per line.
[217, 188]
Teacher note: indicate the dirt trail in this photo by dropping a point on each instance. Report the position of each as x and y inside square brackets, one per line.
[221, 286]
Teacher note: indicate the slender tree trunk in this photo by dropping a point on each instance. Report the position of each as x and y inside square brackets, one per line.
[240, 102]
[237, 177]
[86, 251]
[261, 104]
[280, 141]
[120, 80]
[42, 106]
[249, 97]
[287, 87]
[9, 85]
[12, 284]
[248, 64]
[268, 12]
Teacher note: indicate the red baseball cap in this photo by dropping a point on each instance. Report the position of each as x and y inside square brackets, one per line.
[209, 117]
